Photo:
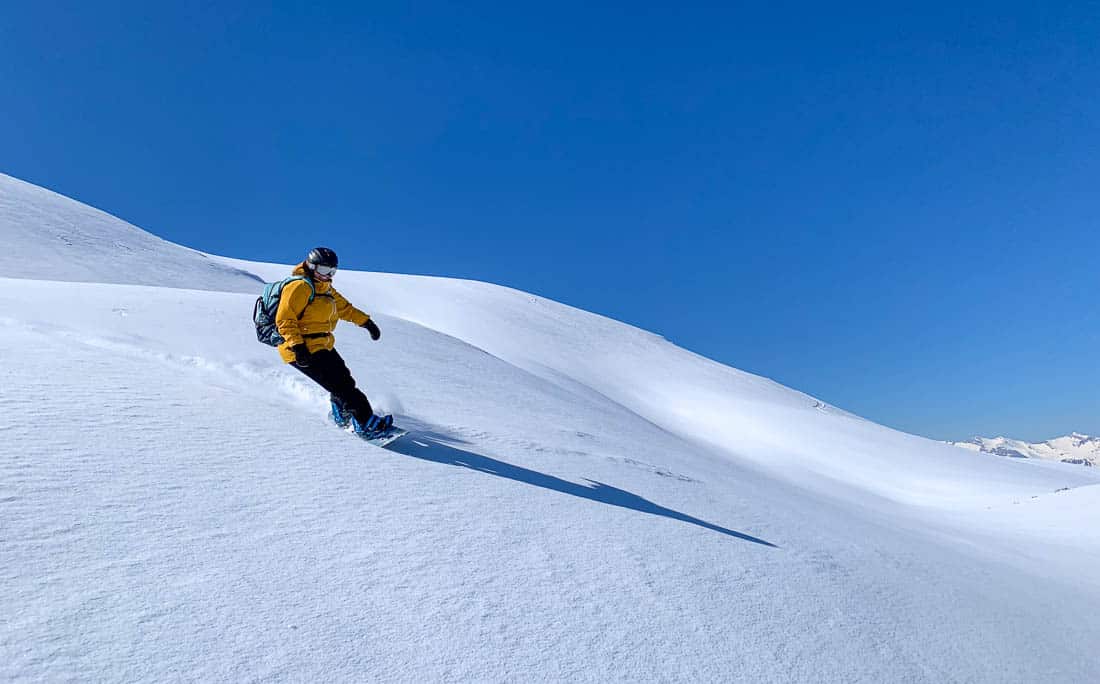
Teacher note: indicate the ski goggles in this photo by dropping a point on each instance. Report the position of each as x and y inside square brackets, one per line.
[324, 271]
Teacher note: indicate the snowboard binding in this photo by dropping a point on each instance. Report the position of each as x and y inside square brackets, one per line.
[374, 427]
[340, 414]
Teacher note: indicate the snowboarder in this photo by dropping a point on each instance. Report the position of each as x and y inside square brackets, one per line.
[307, 314]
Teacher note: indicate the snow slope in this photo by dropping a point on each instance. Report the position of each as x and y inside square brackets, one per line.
[579, 500]
[1075, 448]
[79, 243]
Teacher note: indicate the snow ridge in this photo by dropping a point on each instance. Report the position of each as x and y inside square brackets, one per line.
[60, 239]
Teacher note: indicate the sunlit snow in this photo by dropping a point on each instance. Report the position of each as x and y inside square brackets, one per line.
[578, 499]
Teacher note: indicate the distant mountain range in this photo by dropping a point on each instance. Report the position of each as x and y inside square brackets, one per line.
[1074, 448]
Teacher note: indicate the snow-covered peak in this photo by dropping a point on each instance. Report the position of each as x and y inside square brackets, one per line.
[58, 238]
[1073, 448]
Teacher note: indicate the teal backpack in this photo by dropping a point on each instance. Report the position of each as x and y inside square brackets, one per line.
[267, 305]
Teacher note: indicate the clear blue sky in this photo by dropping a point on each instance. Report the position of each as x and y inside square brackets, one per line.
[892, 207]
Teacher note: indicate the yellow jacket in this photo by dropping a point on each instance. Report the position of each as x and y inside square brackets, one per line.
[300, 320]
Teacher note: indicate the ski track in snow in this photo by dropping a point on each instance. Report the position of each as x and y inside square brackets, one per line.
[175, 506]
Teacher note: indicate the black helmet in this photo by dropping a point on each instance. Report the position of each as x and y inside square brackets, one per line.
[322, 256]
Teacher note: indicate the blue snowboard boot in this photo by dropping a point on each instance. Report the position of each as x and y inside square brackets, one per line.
[340, 414]
[375, 426]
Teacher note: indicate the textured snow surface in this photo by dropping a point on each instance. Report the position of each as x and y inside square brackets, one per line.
[51, 236]
[579, 500]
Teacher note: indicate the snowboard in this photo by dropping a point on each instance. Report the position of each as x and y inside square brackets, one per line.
[342, 418]
[385, 437]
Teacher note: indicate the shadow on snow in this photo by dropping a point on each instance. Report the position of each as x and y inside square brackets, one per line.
[428, 446]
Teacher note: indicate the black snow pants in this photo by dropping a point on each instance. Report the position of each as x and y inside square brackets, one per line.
[327, 369]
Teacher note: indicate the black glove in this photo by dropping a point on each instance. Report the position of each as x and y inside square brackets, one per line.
[375, 333]
[301, 354]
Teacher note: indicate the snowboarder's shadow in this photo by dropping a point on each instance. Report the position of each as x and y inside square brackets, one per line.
[429, 446]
